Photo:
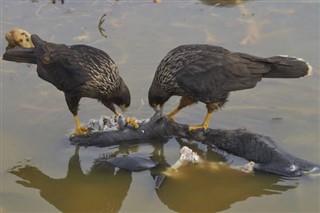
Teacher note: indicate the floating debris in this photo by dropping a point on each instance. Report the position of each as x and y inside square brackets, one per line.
[247, 168]
[101, 29]
[187, 156]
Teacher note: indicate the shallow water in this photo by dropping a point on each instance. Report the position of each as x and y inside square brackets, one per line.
[42, 172]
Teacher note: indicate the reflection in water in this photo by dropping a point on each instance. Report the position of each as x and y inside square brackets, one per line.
[194, 188]
[212, 189]
[203, 190]
[101, 190]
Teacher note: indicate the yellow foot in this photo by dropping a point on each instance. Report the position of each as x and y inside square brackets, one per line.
[133, 122]
[193, 128]
[81, 131]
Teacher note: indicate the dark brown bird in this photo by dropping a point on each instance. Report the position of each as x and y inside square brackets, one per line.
[77, 70]
[208, 73]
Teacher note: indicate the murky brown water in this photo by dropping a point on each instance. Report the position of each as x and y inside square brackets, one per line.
[42, 172]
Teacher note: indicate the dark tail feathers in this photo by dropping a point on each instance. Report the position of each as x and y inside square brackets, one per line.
[287, 67]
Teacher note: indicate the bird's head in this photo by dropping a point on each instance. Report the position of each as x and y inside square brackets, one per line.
[157, 97]
[122, 98]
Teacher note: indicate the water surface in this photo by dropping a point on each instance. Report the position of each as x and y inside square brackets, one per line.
[42, 172]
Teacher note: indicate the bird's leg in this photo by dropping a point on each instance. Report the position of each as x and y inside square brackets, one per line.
[204, 125]
[80, 130]
[171, 114]
[73, 103]
[210, 107]
[184, 101]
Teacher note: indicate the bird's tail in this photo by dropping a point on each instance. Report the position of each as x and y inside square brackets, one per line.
[22, 55]
[287, 67]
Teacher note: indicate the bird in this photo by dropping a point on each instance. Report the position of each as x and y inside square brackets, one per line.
[78, 71]
[208, 73]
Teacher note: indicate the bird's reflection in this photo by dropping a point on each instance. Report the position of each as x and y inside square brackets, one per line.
[193, 189]
[101, 190]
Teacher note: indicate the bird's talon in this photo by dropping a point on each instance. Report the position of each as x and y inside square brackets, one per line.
[194, 128]
[81, 131]
[133, 122]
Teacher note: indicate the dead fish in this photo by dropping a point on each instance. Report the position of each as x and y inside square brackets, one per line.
[133, 163]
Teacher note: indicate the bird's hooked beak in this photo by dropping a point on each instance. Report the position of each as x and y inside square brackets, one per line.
[157, 107]
[123, 107]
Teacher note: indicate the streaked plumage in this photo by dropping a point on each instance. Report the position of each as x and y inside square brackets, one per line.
[77, 70]
[208, 73]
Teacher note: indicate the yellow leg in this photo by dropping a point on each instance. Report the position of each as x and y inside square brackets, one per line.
[171, 114]
[210, 107]
[80, 130]
[204, 125]
[184, 101]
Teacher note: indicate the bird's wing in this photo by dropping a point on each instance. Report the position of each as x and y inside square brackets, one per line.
[214, 76]
[62, 66]
[243, 71]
